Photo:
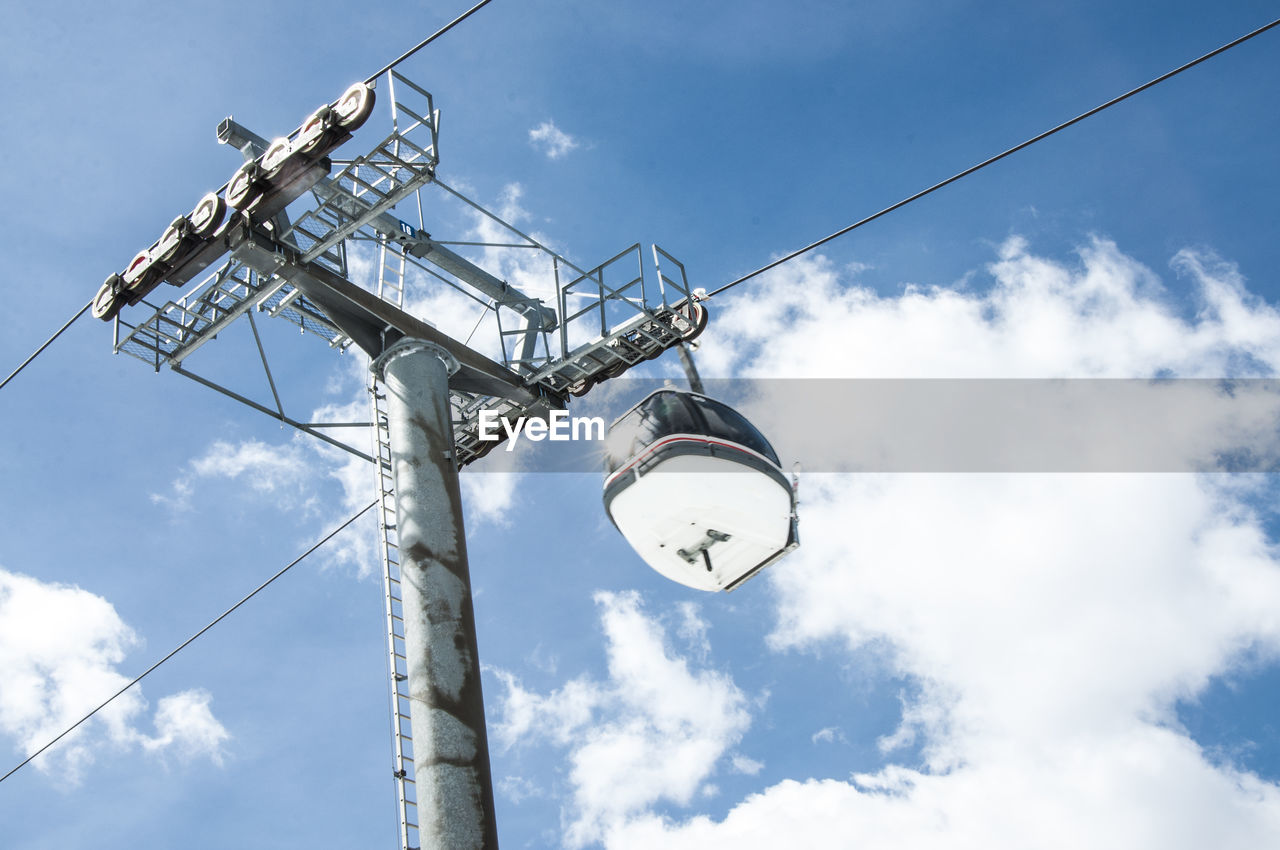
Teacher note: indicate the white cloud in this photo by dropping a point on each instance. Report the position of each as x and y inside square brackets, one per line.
[267, 469]
[654, 732]
[693, 629]
[1105, 316]
[531, 272]
[828, 735]
[358, 546]
[296, 474]
[60, 647]
[490, 495]
[551, 140]
[284, 473]
[517, 789]
[185, 723]
[293, 473]
[1049, 624]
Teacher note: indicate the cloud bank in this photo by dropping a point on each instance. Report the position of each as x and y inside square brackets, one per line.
[654, 732]
[1050, 624]
[60, 650]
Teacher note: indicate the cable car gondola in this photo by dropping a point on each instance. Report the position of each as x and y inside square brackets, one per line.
[697, 491]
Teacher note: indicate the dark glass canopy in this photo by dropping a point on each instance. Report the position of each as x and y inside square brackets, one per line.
[667, 412]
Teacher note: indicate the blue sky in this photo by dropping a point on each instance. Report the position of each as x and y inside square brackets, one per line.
[948, 661]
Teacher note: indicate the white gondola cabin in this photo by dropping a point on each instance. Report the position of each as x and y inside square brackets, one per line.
[697, 491]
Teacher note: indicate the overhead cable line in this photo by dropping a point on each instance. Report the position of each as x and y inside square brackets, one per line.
[997, 157]
[431, 38]
[189, 640]
[47, 343]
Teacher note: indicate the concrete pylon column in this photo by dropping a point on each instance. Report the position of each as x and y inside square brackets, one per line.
[453, 781]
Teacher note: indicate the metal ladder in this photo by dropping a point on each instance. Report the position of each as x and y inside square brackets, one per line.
[391, 264]
[391, 268]
[397, 671]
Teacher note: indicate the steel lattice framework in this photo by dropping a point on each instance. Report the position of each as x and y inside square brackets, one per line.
[601, 321]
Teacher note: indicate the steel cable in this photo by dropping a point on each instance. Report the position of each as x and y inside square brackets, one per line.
[189, 640]
[1046, 134]
[430, 38]
[47, 343]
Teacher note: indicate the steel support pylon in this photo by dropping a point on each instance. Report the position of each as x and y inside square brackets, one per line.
[452, 781]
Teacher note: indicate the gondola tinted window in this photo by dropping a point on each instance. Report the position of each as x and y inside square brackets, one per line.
[727, 423]
[660, 415]
[668, 412]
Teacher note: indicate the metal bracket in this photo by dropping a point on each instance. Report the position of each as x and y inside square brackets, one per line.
[712, 538]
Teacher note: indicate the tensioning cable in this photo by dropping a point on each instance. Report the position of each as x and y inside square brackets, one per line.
[191, 639]
[1046, 134]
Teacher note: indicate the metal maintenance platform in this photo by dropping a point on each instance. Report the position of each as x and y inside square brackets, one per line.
[291, 258]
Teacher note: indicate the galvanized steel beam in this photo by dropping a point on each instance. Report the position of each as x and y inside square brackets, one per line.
[452, 776]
